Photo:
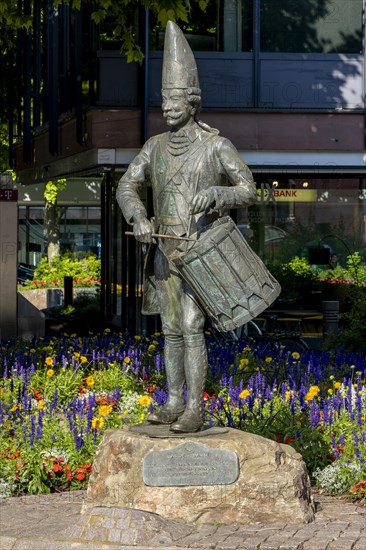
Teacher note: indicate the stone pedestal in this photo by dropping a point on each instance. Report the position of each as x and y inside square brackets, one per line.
[236, 477]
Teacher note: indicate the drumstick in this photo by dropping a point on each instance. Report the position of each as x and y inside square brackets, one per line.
[159, 236]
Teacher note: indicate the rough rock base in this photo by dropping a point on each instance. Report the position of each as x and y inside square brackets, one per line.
[272, 485]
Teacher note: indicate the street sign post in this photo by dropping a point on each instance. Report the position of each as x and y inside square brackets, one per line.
[8, 262]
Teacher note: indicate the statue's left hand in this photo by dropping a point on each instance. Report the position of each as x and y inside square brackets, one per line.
[203, 200]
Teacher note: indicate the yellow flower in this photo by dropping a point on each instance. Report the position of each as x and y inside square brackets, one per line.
[151, 347]
[50, 372]
[14, 408]
[145, 400]
[337, 385]
[97, 423]
[41, 403]
[247, 348]
[137, 338]
[49, 361]
[268, 359]
[105, 410]
[76, 355]
[244, 394]
[127, 360]
[295, 355]
[289, 394]
[312, 393]
[83, 359]
[32, 350]
[243, 362]
[331, 377]
[330, 391]
[107, 330]
[90, 381]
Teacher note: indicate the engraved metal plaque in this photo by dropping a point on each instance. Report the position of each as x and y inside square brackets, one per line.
[190, 464]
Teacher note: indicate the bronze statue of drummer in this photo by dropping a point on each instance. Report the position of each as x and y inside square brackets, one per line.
[196, 176]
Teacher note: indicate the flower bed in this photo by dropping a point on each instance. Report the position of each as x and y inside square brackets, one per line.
[58, 395]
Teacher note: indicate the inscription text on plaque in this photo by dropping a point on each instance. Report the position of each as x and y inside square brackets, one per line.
[190, 464]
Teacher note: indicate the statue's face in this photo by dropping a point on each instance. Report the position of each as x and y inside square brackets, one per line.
[176, 108]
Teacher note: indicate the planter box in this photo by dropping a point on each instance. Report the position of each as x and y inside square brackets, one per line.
[43, 298]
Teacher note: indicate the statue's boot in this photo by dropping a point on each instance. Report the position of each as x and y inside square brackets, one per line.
[174, 368]
[195, 365]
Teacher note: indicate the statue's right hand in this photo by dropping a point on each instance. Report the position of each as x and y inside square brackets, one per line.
[142, 229]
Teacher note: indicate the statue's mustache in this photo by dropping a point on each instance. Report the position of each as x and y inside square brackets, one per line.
[172, 115]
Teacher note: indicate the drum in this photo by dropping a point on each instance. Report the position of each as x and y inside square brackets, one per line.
[230, 281]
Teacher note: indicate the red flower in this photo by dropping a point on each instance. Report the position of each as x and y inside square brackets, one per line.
[278, 438]
[87, 467]
[289, 439]
[80, 476]
[57, 468]
[358, 486]
[69, 476]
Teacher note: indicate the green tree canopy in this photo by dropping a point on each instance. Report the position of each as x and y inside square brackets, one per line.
[121, 13]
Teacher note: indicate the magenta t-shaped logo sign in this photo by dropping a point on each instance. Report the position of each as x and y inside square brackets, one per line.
[10, 195]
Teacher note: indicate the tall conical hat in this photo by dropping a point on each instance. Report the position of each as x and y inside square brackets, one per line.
[179, 65]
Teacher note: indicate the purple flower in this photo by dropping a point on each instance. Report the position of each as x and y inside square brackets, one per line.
[32, 430]
[40, 425]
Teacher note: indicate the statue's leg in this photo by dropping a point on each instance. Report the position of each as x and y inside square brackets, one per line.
[169, 289]
[195, 365]
[174, 368]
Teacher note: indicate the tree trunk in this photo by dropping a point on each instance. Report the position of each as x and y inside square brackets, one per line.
[52, 228]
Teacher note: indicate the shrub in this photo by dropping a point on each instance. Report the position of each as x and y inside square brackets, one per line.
[84, 271]
[339, 477]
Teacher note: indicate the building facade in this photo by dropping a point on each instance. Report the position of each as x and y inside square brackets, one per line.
[283, 80]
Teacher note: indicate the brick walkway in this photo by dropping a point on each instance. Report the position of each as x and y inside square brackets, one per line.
[54, 522]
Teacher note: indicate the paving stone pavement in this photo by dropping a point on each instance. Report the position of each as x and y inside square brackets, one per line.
[54, 522]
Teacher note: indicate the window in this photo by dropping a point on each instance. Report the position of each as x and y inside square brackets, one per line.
[291, 215]
[299, 26]
[311, 26]
[226, 25]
